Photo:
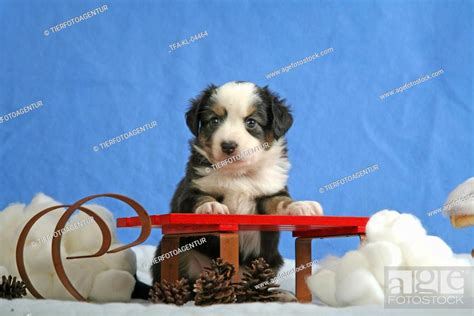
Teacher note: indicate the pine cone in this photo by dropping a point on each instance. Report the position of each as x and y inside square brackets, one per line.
[222, 268]
[11, 288]
[213, 288]
[256, 284]
[170, 293]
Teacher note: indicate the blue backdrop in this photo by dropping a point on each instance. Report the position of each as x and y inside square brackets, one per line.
[109, 73]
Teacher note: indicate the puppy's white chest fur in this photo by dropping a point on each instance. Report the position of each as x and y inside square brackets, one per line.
[240, 189]
[240, 203]
[240, 192]
[239, 195]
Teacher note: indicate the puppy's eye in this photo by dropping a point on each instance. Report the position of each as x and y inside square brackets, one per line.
[214, 121]
[250, 123]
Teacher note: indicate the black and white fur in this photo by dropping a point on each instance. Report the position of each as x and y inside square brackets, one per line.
[226, 121]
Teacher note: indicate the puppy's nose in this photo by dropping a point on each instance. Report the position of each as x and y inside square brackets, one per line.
[228, 147]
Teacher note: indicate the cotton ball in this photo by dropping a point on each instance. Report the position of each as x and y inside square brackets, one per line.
[330, 263]
[122, 260]
[93, 265]
[459, 262]
[10, 218]
[82, 272]
[464, 262]
[379, 224]
[42, 282]
[323, 285]
[8, 261]
[426, 251]
[85, 234]
[48, 220]
[460, 266]
[40, 202]
[41, 198]
[13, 213]
[38, 257]
[406, 227]
[112, 286]
[359, 288]
[41, 233]
[104, 213]
[382, 254]
[59, 292]
[43, 227]
[3, 271]
[351, 261]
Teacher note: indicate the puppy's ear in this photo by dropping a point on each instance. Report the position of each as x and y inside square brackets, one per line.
[192, 115]
[281, 116]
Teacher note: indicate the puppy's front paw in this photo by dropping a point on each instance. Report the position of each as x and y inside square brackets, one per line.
[311, 208]
[212, 208]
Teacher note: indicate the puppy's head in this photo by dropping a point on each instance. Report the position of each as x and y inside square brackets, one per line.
[236, 118]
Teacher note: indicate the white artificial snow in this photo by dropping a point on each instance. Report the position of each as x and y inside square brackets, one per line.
[361, 271]
[393, 240]
[92, 277]
[145, 253]
[27, 307]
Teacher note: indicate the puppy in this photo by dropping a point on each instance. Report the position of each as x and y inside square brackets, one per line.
[238, 165]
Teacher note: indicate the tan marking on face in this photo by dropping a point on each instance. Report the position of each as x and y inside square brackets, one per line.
[269, 138]
[251, 110]
[239, 101]
[205, 143]
[206, 146]
[218, 110]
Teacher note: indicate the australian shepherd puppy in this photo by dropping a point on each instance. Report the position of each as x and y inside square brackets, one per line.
[238, 165]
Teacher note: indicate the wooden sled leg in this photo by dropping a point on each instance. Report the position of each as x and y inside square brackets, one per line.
[303, 257]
